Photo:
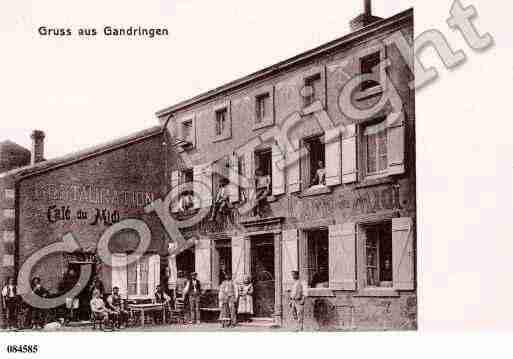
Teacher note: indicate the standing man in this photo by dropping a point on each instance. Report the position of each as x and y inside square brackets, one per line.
[193, 290]
[115, 303]
[297, 300]
[10, 302]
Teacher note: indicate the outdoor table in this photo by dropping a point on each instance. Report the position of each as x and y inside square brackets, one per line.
[151, 307]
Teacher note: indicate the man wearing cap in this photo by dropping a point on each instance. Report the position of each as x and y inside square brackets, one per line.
[193, 290]
[297, 300]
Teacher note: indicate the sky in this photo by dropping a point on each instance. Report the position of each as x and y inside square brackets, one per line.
[83, 92]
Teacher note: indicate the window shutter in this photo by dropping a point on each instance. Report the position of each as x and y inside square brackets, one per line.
[234, 179]
[119, 273]
[342, 256]
[403, 254]
[290, 256]
[173, 272]
[249, 165]
[203, 266]
[349, 154]
[202, 185]
[237, 259]
[333, 158]
[175, 181]
[395, 143]
[293, 169]
[278, 174]
[153, 273]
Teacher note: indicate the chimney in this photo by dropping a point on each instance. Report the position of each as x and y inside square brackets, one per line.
[38, 147]
[364, 19]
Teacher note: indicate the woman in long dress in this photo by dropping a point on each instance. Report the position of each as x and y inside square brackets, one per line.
[245, 309]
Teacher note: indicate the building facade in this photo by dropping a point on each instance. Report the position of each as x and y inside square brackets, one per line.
[352, 235]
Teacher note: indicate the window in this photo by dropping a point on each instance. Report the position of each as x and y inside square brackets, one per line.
[221, 121]
[263, 163]
[137, 274]
[187, 131]
[263, 107]
[318, 258]
[375, 143]
[367, 66]
[313, 87]
[314, 163]
[9, 213]
[187, 175]
[378, 255]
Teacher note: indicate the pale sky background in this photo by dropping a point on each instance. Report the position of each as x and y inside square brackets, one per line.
[82, 92]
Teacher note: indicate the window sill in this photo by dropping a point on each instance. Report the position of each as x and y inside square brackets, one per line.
[264, 123]
[316, 191]
[271, 199]
[370, 92]
[375, 181]
[320, 292]
[221, 138]
[378, 292]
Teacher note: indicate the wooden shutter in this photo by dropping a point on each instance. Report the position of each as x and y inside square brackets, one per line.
[153, 273]
[173, 272]
[203, 265]
[249, 166]
[234, 179]
[238, 268]
[349, 154]
[277, 173]
[294, 169]
[342, 256]
[403, 254]
[290, 256]
[175, 181]
[395, 143]
[203, 185]
[119, 273]
[333, 159]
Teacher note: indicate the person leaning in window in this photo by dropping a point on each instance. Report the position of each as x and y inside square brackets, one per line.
[297, 300]
[10, 303]
[193, 291]
[222, 200]
[115, 304]
[227, 300]
[37, 314]
[320, 175]
[263, 189]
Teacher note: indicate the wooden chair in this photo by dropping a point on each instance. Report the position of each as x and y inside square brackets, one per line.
[177, 314]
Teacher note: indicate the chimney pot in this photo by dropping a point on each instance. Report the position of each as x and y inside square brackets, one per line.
[38, 146]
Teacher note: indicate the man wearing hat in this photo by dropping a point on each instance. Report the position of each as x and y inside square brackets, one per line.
[297, 300]
[193, 290]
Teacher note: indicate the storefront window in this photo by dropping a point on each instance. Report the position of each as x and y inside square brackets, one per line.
[378, 255]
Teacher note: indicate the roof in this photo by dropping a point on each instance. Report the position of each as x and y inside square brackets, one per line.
[78, 156]
[286, 64]
[9, 146]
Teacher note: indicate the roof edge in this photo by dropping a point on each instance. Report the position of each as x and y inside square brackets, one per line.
[82, 155]
[304, 56]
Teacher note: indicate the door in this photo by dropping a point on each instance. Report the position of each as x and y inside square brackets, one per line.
[262, 272]
[85, 296]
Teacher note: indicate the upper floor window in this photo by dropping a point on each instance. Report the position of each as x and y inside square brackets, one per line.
[314, 163]
[369, 64]
[221, 121]
[187, 131]
[263, 107]
[313, 88]
[375, 142]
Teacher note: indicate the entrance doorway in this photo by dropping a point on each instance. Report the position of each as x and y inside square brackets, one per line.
[185, 262]
[262, 272]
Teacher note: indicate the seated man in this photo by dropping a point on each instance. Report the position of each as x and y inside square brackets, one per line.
[115, 304]
[222, 200]
[163, 298]
[98, 307]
